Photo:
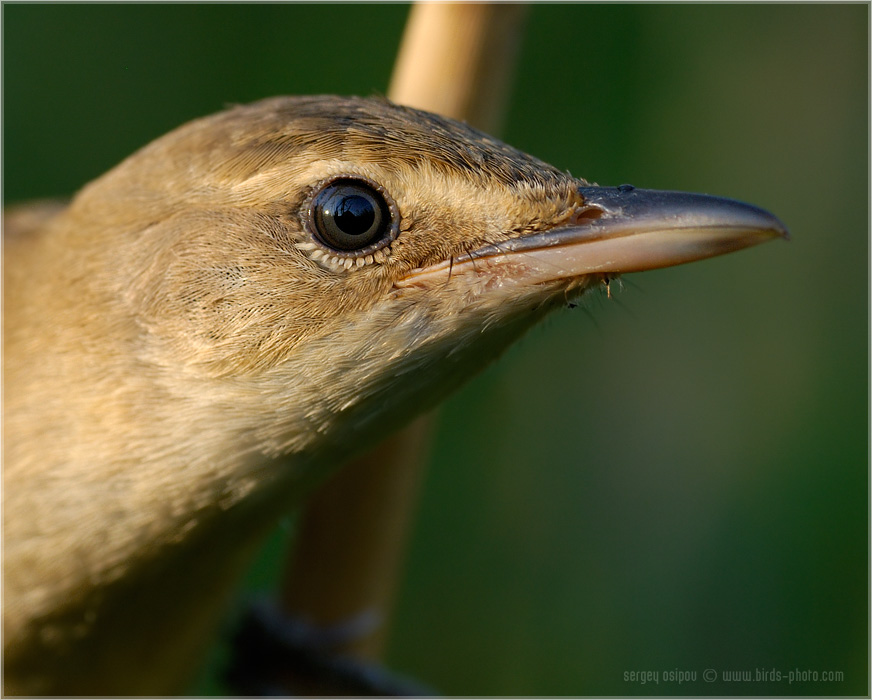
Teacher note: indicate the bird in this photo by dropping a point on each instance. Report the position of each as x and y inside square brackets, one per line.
[202, 334]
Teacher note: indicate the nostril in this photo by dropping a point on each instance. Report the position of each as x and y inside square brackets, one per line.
[585, 214]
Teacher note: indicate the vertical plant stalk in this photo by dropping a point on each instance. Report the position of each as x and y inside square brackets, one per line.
[456, 60]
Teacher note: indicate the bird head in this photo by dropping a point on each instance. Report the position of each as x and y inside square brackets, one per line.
[359, 258]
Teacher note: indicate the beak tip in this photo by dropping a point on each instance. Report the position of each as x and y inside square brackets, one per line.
[775, 228]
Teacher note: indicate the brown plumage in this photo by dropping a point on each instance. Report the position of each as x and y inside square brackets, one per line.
[185, 355]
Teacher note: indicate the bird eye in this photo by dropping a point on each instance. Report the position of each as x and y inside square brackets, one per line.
[351, 216]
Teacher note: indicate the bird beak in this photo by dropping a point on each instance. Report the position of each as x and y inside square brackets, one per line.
[617, 230]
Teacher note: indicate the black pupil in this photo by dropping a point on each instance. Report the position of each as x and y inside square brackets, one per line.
[354, 215]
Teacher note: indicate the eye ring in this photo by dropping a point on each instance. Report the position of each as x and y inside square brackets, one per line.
[351, 216]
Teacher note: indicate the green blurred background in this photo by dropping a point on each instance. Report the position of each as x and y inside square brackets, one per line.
[676, 479]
